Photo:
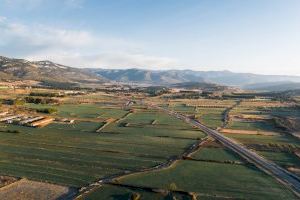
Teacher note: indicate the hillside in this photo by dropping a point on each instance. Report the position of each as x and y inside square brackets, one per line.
[49, 72]
[146, 76]
[199, 85]
[167, 77]
[273, 86]
[44, 71]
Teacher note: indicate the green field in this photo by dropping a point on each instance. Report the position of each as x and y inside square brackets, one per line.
[253, 126]
[286, 111]
[75, 155]
[284, 159]
[215, 154]
[110, 192]
[279, 139]
[183, 108]
[211, 117]
[210, 179]
[84, 110]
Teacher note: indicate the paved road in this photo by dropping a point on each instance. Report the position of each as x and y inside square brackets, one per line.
[282, 175]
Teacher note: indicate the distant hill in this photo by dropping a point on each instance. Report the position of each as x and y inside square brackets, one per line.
[199, 85]
[274, 86]
[44, 71]
[167, 77]
[146, 76]
[49, 72]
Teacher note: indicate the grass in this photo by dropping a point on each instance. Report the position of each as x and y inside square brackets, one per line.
[255, 125]
[212, 117]
[111, 192]
[286, 111]
[215, 154]
[235, 181]
[264, 139]
[83, 110]
[282, 158]
[183, 108]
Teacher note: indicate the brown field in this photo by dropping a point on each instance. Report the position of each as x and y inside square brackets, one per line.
[252, 117]
[205, 102]
[246, 132]
[266, 104]
[31, 190]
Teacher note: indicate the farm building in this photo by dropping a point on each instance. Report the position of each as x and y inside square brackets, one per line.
[3, 113]
[30, 120]
[10, 117]
[42, 122]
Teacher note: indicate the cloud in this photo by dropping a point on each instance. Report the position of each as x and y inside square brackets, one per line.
[35, 4]
[77, 48]
[2, 19]
[74, 3]
[26, 4]
[113, 60]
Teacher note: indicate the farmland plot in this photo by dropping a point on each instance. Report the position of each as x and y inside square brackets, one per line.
[32, 190]
[76, 155]
[214, 179]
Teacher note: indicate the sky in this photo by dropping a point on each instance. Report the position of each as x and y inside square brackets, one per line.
[256, 36]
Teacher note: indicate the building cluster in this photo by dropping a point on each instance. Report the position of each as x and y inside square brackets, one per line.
[25, 120]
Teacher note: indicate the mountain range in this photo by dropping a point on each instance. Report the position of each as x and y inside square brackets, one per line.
[47, 71]
[274, 86]
[43, 71]
[168, 77]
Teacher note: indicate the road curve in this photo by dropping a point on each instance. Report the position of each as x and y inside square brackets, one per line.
[283, 176]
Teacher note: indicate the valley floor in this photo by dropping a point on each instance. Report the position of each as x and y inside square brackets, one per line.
[117, 150]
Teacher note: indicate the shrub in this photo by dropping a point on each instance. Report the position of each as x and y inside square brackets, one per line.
[173, 186]
[46, 110]
[135, 196]
[37, 100]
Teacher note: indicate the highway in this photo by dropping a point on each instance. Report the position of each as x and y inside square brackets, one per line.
[283, 176]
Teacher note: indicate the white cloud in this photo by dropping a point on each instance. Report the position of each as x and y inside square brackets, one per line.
[74, 3]
[73, 47]
[2, 19]
[35, 4]
[112, 60]
[26, 4]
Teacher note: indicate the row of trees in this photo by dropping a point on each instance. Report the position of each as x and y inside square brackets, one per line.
[46, 110]
[38, 100]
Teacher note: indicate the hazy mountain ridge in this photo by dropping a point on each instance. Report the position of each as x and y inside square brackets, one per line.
[47, 71]
[199, 85]
[20, 69]
[146, 76]
[274, 86]
[167, 77]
